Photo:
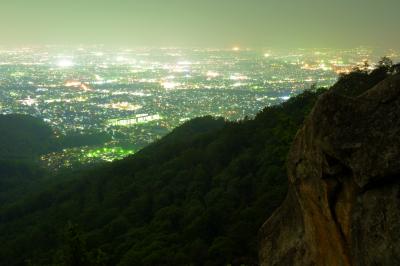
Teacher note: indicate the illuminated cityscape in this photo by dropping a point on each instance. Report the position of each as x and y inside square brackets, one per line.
[135, 96]
[199, 132]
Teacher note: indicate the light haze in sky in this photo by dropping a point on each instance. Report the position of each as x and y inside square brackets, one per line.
[202, 23]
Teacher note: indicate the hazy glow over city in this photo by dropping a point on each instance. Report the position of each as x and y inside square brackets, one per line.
[202, 23]
[136, 96]
[135, 70]
[199, 132]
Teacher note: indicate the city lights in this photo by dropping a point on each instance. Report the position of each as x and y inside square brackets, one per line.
[137, 96]
[65, 63]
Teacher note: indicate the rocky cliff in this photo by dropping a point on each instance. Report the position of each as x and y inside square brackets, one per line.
[343, 204]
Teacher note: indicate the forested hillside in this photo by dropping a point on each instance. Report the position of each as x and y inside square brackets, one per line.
[24, 136]
[23, 139]
[196, 197]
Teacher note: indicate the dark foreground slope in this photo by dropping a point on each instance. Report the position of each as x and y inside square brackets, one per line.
[23, 139]
[198, 196]
[343, 205]
[23, 136]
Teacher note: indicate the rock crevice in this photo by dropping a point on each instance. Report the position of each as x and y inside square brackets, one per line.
[343, 204]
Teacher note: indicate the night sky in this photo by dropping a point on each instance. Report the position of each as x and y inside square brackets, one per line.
[203, 23]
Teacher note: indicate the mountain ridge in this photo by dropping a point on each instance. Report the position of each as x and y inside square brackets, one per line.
[196, 197]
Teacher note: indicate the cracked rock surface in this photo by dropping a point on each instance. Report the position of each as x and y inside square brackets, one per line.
[343, 204]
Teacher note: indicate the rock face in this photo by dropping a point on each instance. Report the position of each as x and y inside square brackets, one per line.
[343, 204]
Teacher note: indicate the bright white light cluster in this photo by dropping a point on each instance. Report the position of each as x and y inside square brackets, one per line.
[65, 63]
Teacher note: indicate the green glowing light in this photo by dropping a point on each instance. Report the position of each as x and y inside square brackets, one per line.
[108, 154]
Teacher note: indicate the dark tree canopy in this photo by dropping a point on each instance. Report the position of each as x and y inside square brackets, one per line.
[196, 197]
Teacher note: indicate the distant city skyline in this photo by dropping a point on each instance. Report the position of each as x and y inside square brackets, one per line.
[206, 23]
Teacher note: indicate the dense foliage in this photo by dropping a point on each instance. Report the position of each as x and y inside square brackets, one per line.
[196, 197]
[24, 136]
[23, 139]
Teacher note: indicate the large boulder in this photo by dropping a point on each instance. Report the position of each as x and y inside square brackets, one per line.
[343, 204]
